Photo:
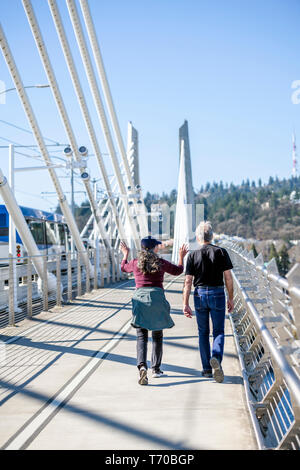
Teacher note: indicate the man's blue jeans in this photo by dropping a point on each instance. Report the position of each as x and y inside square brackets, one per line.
[210, 301]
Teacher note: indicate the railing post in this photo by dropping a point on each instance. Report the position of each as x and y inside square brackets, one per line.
[69, 276]
[97, 260]
[118, 265]
[11, 286]
[58, 280]
[29, 288]
[113, 265]
[107, 266]
[79, 290]
[95, 269]
[87, 280]
[293, 433]
[276, 301]
[101, 266]
[261, 301]
[45, 284]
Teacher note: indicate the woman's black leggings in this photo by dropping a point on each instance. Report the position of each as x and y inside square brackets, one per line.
[157, 348]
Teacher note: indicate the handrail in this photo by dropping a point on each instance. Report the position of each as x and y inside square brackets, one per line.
[290, 376]
[272, 277]
[266, 327]
[63, 277]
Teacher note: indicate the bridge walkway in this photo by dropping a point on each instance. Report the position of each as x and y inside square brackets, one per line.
[69, 381]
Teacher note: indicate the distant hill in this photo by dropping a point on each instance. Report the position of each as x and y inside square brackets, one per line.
[249, 210]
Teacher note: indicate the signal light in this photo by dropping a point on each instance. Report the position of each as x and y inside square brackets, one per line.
[18, 251]
[85, 176]
[68, 152]
[83, 151]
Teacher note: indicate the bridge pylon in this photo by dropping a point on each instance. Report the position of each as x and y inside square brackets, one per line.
[185, 216]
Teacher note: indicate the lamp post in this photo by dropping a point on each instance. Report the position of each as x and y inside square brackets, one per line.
[12, 227]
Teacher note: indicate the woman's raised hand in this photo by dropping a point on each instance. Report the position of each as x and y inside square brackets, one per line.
[183, 250]
[124, 248]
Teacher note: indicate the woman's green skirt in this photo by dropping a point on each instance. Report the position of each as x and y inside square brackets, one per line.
[150, 309]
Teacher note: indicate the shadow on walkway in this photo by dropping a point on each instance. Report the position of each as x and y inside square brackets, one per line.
[86, 414]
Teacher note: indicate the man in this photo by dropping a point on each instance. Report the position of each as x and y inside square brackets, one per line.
[209, 266]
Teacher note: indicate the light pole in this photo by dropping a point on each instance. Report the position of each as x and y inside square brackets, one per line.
[11, 226]
[69, 153]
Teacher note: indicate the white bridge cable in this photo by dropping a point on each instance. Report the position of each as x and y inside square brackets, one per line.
[91, 218]
[121, 211]
[107, 219]
[82, 103]
[100, 111]
[40, 141]
[62, 110]
[109, 102]
[105, 86]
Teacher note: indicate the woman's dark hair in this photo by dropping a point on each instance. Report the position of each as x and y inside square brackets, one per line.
[148, 261]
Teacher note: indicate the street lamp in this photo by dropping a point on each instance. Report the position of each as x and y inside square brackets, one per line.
[29, 86]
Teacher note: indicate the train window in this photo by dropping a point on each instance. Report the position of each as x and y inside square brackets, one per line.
[37, 230]
[3, 231]
[51, 234]
[3, 222]
[61, 232]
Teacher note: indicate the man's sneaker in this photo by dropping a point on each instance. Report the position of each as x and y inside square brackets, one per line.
[217, 369]
[157, 373]
[143, 380]
[207, 374]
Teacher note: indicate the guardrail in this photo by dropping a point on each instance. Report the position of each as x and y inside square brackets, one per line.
[23, 293]
[266, 326]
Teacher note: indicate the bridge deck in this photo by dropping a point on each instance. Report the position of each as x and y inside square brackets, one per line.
[70, 382]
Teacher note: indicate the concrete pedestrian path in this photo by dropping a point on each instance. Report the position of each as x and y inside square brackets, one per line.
[69, 381]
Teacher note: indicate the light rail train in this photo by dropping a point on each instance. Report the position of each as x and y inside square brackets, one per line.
[49, 231]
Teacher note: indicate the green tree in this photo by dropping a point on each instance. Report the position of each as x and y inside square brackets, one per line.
[253, 248]
[274, 201]
[284, 260]
[274, 254]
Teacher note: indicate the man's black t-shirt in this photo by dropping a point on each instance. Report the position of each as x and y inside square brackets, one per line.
[207, 265]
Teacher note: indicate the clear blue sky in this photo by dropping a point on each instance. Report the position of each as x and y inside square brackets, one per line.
[224, 65]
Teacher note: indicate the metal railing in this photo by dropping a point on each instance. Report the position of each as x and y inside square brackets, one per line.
[65, 276]
[266, 326]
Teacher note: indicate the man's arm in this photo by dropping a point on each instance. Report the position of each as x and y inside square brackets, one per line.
[229, 286]
[186, 295]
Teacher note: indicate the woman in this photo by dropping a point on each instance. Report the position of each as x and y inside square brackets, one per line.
[150, 308]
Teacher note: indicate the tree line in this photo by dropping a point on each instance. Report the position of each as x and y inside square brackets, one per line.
[251, 209]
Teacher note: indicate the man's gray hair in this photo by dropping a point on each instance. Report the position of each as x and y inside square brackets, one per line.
[204, 232]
